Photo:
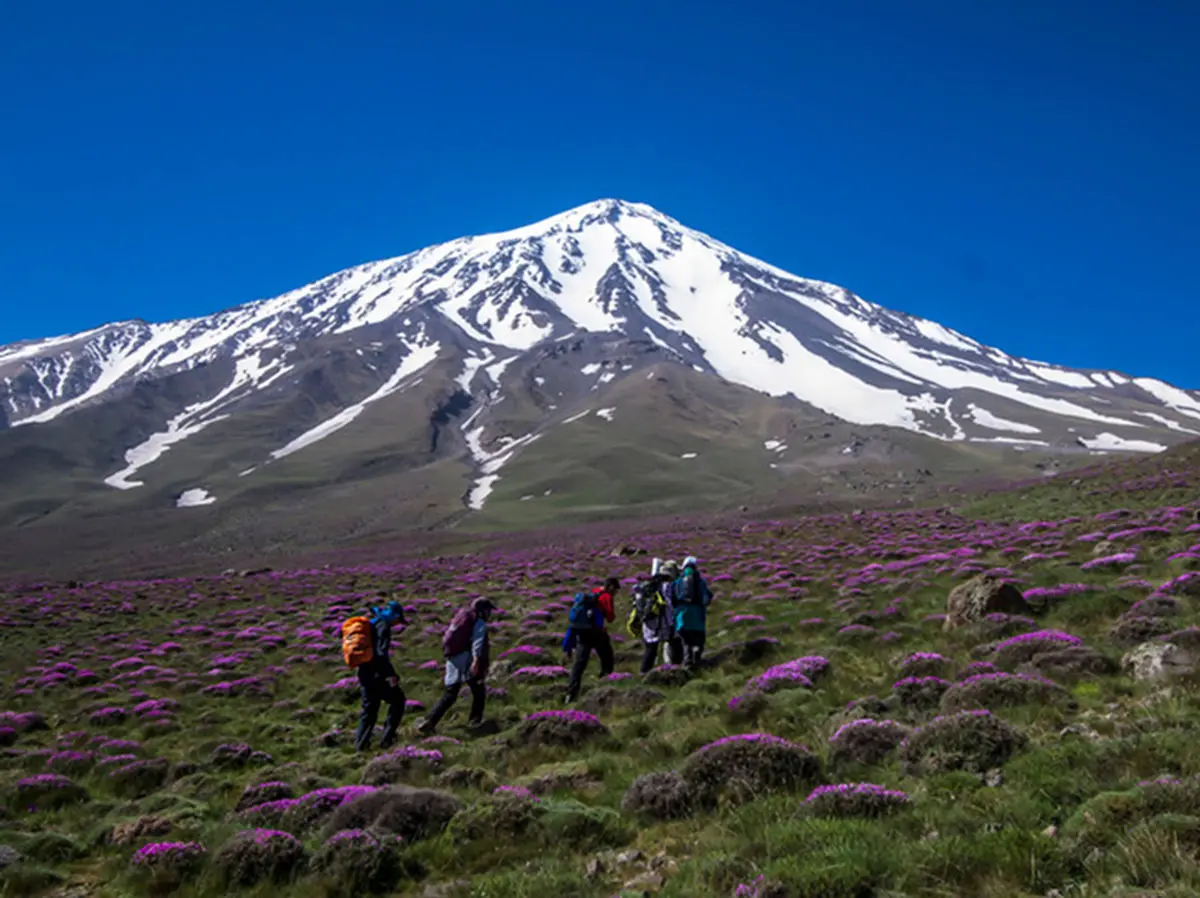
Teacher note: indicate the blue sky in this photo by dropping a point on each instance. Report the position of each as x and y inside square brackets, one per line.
[1025, 172]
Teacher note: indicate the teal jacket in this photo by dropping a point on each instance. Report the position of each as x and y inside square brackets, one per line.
[691, 616]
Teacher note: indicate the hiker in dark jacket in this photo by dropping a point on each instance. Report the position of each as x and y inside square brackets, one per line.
[466, 667]
[378, 681]
[690, 598]
[582, 641]
[650, 619]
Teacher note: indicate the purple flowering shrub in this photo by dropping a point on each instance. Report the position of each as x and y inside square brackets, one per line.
[559, 728]
[975, 740]
[261, 793]
[255, 855]
[168, 865]
[854, 800]
[743, 767]
[1019, 649]
[138, 779]
[865, 741]
[925, 664]
[1102, 822]
[47, 791]
[605, 699]
[920, 693]
[507, 814]
[1134, 629]
[352, 862]
[668, 675]
[545, 672]
[401, 765]
[405, 811]
[1001, 690]
[663, 795]
[299, 815]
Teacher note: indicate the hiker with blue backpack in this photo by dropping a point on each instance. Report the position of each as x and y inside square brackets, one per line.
[465, 647]
[367, 647]
[651, 618]
[690, 597]
[586, 632]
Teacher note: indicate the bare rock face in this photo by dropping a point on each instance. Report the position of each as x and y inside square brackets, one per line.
[1158, 661]
[979, 597]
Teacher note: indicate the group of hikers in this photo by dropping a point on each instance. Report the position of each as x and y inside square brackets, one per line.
[669, 610]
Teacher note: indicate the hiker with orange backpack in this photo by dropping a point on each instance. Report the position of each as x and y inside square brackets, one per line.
[367, 646]
[465, 647]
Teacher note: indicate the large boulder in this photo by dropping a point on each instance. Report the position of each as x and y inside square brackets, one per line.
[980, 596]
[1158, 661]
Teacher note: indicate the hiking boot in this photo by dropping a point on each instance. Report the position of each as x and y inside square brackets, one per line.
[425, 728]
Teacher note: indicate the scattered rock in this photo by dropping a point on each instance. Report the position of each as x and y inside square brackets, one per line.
[1157, 661]
[994, 778]
[143, 828]
[8, 856]
[1081, 730]
[1071, 661]
[980, 596]
[647, 882]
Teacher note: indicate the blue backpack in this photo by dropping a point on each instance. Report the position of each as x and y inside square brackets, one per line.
[583, 611]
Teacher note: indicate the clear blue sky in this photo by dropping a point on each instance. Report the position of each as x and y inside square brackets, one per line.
[1024, 171]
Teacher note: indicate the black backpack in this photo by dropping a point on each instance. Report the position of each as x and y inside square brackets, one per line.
[688, 590]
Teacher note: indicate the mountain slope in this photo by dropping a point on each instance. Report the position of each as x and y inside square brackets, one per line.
[475, 354]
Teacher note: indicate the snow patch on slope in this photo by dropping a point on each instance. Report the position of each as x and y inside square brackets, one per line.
[489, 463]
[984, 418]
[1110, 441]
[194, 498]
[420, 356]
[250, 373]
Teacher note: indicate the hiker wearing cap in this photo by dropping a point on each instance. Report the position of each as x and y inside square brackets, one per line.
[378, 681]
[465, 647]
[690, 598]
[590, 612]
[650, 619]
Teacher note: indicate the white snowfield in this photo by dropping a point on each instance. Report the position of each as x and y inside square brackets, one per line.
[194, 498]
[605, 267]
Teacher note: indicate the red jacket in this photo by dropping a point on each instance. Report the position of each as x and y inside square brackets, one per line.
[605, 602]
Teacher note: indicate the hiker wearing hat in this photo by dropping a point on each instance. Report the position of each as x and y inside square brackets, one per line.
[465, 647]
[690, 598]
[378, 681]
[650, 619]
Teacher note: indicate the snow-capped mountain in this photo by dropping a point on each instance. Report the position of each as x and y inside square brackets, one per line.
[479, 307]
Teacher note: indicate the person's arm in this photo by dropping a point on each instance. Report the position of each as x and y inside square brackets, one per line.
[606, 603]
[479, 647]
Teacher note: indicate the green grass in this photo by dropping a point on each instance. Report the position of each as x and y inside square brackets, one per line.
[1073, 783]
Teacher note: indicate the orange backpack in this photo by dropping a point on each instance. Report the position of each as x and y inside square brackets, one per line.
[358, 643]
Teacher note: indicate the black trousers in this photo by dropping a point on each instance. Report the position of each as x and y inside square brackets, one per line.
[693, 646]
[588, 641]
[375, 690]
[650, 656]
[450, 696]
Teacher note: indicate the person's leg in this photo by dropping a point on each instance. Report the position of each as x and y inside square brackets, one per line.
[478, 702]
[685, 638]
[395, 698]
[583, 653]
[698, 648]
[439, 710]
[604, 648]
[675, 650]
[649, 657]
[369, 713]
